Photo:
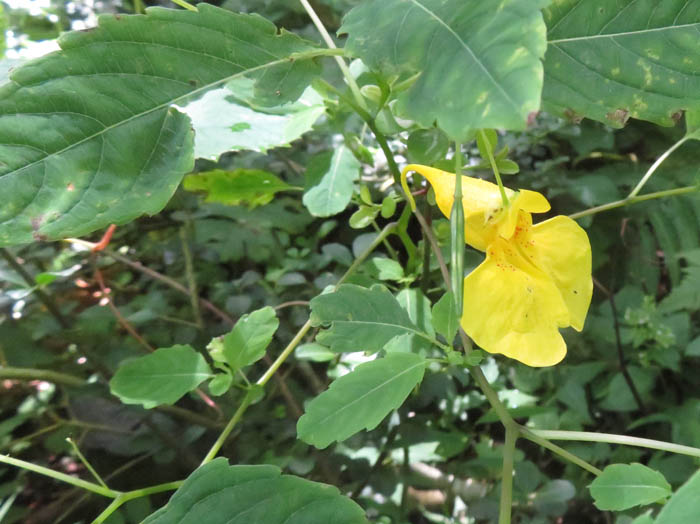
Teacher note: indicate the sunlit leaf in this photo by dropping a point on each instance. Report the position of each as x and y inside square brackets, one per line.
[253, 187]
[623, 486]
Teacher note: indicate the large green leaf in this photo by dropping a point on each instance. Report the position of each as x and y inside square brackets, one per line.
[217, 493]
[162, 377]
[329, 182]
[223, 123]
[88, 135]
[361, 399]
[684, 505]
[623, 486]
[611, 60]
[360, 319]
[479, 62]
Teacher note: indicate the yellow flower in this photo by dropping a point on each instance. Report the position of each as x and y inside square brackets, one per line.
[534, 280]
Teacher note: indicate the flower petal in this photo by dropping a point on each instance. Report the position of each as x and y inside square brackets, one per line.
[511, 307]
[562, 250]
[484, 216]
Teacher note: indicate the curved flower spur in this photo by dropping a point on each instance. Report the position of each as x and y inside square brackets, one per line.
[535, 278]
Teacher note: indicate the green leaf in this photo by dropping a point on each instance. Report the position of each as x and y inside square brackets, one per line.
[388, 207]
[88, 135]
[427, 146]
[623, 486]
[360, 399]
[162, 377]
[684, 505]
[314, 352]
[360, 319]
[247, 341]
[217, 493]
[610, 60]
[493, 47]
[220, 384]
[388, 269]
[329, 182]
[445, 317]
[222, 123]
[241, 186]
[363, 217]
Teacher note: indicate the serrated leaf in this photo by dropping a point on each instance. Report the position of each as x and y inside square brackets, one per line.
[162, 377]
[217, 493]
[221, 123]
[247, 341]
[623, 486]
[493, 47]
[684, 505]
[253, 187]
[360, 399]
[445, 318]
[88, 135]
[329, 182]
[360, 319]
[610, 60]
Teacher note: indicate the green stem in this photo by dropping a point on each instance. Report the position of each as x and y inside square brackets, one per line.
[138, 493]
[339, 60]
[89, 486]
[191, 279]
[216, 447]
[534, 437]
[492, 161]
[655, 165]
[457, 234]
[86, 463]
[634, 200]
[41, 374]
[507, 477]
[609, 438]
[185, 5]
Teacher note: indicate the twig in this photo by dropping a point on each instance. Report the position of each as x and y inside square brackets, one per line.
[191, 279]
[40, 293]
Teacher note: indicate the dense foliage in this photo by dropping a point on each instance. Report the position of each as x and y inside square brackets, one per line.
[271, 334]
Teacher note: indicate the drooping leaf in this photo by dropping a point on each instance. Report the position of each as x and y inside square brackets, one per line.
[614, 60]
[684, 505]
[623, 486]
[88, 135]
[445, 317]
[247, 341]
[253, 187]
[223, 123]
[360, 319]
[217, 493]
[360, 399]
[479, 62]
[329, 182]
[162, 377]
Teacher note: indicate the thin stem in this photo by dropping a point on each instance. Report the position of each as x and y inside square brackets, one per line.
[339, 59]
[457, 234]
[137, 493]
[89, 486]
[86, 463]
[247, 399]
[655, 165]
[191, 279]
[41, 374]
[609, 438]
[138, 266]
[185, 5]
[534, 436]
[43, 297]
[507, 476]
[264, 379]
[428, 231]
[492, 161]
[634, 200]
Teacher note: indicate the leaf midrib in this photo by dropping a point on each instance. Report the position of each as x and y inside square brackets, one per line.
[369, 392]
[627, 33]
